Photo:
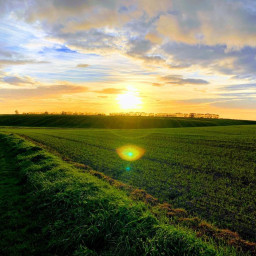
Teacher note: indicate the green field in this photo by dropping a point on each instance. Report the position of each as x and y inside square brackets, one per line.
[209, 171]
[48, 207]
[112, 122]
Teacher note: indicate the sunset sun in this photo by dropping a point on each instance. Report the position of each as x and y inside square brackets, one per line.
[129, 100]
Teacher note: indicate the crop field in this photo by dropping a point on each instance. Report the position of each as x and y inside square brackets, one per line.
[209, 171]
[50, 207]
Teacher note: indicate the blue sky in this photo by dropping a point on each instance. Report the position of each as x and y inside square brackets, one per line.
[169, 55]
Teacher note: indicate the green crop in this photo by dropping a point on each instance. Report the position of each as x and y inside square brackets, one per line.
[50, 208]
[209, 171]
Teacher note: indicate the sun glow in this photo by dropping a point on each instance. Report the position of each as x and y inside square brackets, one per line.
[129, 100]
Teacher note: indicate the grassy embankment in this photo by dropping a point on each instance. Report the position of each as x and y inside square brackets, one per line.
[50, 208]
[113, 122]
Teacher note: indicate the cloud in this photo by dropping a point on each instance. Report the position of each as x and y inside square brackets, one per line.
[42, 92]
[228, 22]
[92, 41]
[225, 101]
[14, 62]
[240, 87]
[141, 29]
[97, 18]
[238, 63]
[150, 60]
[5, 53]
[210, 22]
[139, 46]
[82, 65]
[18, 81]
[203, 100]
[154, 38]
[157, 84]
[6, 62]
[179, 80]
[238, 95]
[110, 91]
[153, 7]
[243, 103]
[50, 10]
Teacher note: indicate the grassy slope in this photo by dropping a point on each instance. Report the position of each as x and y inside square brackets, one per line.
[14, 238]
[208, 171]
[53, 209]
[111, 122]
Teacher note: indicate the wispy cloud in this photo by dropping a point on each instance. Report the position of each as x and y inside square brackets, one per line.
[18, 81]
[10, 62]
[110, 91]
[42, 92]
[157, 84]
[82, 65]
[179, 80]
[239, 87]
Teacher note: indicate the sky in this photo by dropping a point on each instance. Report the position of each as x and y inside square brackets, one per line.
[109, 56]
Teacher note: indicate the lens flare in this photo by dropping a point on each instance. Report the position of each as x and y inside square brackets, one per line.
[130, 152]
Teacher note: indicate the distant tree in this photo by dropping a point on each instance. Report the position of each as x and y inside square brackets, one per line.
[16, 112]
[46, 113]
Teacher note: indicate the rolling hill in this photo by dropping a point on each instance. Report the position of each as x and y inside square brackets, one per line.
[113, 122]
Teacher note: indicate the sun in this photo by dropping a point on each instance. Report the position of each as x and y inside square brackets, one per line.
[129, 100]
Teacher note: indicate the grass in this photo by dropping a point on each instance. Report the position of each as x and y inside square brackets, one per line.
[49, 207]
[208, 171]
[112, 121]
